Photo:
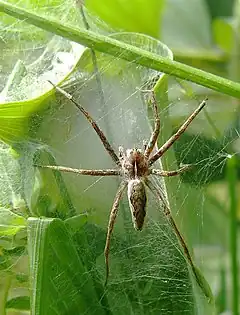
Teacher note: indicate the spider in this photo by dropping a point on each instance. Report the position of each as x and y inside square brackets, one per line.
[134, 167]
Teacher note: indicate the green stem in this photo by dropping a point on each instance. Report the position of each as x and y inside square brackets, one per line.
[125, 51]
[232, 182]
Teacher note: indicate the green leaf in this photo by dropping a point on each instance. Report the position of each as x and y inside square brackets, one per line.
[15, 119]
[19, 303]
[187, 26]
[220, 7]
[17, 176]
[10, 176]
[10, 223]
[202, 149]
[223, 31]
[59, 282]
[76, 223]
[133, 16]
[25, 74]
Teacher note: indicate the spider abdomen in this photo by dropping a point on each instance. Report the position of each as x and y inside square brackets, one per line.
[137, 202]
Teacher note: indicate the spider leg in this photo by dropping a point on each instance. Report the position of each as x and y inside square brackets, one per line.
[99, 132]
[180, 238]
[111, 222]
[155, 133]
[175, 137]
[107, 172]
[170, 173]
[168, 214]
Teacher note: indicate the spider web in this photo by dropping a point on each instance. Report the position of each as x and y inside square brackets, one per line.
[148, 271]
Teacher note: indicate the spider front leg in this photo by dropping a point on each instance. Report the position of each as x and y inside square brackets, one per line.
[94, 124]
[155, 133]
[107, 172]
[112, 219]
[171, 173]
[175, 137]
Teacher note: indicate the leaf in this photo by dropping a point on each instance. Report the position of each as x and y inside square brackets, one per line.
[133, 16]
[202, 150]
[186, 26]
[59, 281]
[19, 303]
[10, 223]
[10, 192]
[17, 175]
[25, 75]
[223, 31]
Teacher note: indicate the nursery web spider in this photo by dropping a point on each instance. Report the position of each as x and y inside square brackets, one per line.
[134, 167]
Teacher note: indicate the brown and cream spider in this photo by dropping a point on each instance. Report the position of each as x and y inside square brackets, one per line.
[134, 167]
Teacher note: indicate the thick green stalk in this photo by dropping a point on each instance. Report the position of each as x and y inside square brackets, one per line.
[125, 51]
[232, 182]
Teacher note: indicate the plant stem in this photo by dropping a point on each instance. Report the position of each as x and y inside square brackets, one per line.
[232, 181]
[125, 51]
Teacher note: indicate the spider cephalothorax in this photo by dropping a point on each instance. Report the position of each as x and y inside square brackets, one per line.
[133, 166]
[134, 163]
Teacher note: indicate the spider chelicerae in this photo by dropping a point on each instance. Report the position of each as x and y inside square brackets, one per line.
[134, 167]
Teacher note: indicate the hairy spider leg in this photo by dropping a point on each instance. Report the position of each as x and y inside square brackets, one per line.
[154, 136]
[111, 222]
[167, 212]
[176, 136]
[106, 172]
[99, 132]
[171, 173]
